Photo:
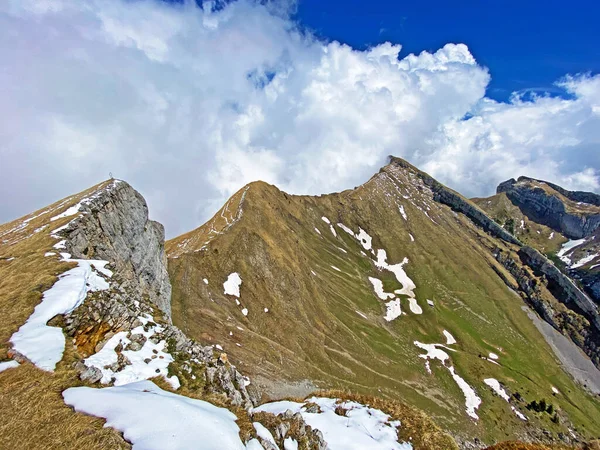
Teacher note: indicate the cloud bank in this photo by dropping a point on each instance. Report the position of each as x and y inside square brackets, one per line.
[188, 104]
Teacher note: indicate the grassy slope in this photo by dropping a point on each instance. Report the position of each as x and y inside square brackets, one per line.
[33, 412]
[312, 330]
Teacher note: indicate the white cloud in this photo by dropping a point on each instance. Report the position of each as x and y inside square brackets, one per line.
[189, 104]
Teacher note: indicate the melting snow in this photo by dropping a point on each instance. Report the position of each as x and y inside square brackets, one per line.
[205, 280]
[499, 390]
[584, 261]
[150, 361]
[266, 310]
[401, 208]
[8, 365]
[264, 433]
[290, 444]
[397, 269]
[365, 239]
[336, 268]
[566, 248]
[472, 401]
[412, 239]
[154, 419]
[44, 345]
[326, 220]
[361, 428]
[346, 229]
[414, 306]
[245, 311]
[551, 235]
[317, 230]
[361, 314]
[49, 254]
[493, 356]
[378, 288]
[393, 310]
[555, 391]
[232, 285]
[430, 303]
[332, 230]
[449, 338]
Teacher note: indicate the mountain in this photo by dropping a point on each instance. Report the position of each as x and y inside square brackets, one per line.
[400, 288]
[86, 326]
[397, 315]
[566, 224]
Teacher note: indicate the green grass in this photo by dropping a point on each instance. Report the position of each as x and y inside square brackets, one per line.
[313, 331]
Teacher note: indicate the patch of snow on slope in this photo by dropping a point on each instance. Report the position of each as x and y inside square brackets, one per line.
[361, 428]
[106, 359]
[326, 220]
[346, 229]
[430, 303]
[555, 391]
[332, 230]
[393, 310]
[449, 338]
[414, 306]
[551, 235]
[232, 284]
[402, 212]
[205, 280]
[412, 239]
[408, 286]
[290, 444]
[245, 311]
[493, 356]
[378, 288]
[8, 365]
[333, 267]
[317, 230]
[472, 401]
[365, 239]
[153, 419]
[585, 260]
[566, 248]
[499, 390]
[361, 314]
[44, 345]
[264, 433]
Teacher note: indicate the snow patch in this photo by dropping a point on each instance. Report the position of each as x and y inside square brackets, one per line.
[232, 284]
[361, 428]
[393, 310]
[472, 401]
[449, 338]
[585, 260]
[430, 303]
[150, 361]
[493, 356]
[245, 311]
[566, 249]
[378, 288]
[8, 365]
[154, 419]
[44, 345]
[205, 280]
[326, 220]
[402, 212]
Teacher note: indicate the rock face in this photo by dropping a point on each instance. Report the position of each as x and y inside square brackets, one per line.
[115, 227]
[549, 204]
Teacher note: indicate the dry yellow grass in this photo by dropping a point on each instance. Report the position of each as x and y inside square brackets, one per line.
[34, 415]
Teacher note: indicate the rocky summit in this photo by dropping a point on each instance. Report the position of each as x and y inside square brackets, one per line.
[396, 315]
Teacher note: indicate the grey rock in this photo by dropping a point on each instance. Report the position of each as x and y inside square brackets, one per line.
[114, 226]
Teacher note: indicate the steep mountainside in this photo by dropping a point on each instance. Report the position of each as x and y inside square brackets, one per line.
[398, 289]
[85, 300]
[562, 224]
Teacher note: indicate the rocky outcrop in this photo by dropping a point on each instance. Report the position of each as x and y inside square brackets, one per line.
[568, 291]
[566, 315]
[458, 203]
[113, 225]
[545, 208]
[106, 313]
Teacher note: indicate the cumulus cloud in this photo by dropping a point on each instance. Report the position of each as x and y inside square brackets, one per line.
[189, 103]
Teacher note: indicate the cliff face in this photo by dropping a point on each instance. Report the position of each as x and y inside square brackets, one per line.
[114, 226]
[574, 214]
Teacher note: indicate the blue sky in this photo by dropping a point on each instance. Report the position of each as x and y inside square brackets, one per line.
[525, 44]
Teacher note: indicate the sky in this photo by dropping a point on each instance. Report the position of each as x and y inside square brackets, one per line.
[189, 103]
